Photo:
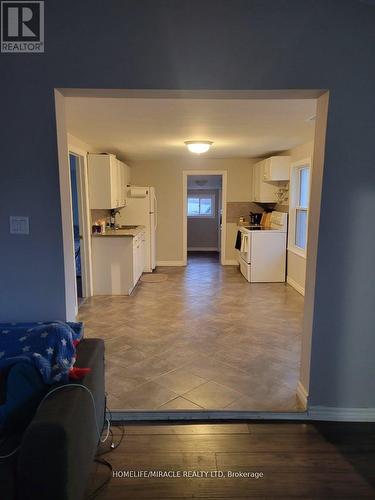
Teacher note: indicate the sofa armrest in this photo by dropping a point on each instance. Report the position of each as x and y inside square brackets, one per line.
[60, 443]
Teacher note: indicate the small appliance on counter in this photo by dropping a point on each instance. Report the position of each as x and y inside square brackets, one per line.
[99, 226]
[255, 218]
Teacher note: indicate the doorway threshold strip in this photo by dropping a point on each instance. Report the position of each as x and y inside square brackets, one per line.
[119, 416]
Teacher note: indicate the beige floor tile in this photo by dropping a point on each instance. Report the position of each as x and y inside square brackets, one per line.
[180, 381]
[212, 395]
[179, 403]
[207, 321]
[128, 357]
[148, 396]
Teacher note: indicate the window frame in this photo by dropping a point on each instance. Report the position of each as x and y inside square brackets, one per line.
[200, 195]
[294, 204]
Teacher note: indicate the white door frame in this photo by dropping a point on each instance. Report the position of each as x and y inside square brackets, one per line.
[223, 174]
[84, 220]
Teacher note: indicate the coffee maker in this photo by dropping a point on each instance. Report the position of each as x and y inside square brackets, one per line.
[255, 218]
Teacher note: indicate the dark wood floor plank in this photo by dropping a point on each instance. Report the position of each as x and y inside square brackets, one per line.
[164, 461]
[224, 443]
[286, 462]
[303, 461]
[188, 429]
[312, 485]
[283, 427]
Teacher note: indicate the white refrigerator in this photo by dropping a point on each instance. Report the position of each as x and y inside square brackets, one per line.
[141, 210]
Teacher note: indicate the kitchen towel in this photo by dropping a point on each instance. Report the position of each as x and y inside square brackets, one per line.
[244, 243]
[237, 245]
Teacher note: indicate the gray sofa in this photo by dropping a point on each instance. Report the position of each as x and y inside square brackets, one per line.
[59, 445]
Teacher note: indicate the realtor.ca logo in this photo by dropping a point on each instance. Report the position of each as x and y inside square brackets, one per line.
[22, 27]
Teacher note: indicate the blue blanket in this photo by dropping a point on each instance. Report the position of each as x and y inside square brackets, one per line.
[48, 346]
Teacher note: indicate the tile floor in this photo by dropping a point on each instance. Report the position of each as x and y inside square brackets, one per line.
[203, 339]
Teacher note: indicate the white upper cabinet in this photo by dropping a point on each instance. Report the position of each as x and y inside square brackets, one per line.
[276, 168]
[124, 181]
[108, 178]
[266, 177]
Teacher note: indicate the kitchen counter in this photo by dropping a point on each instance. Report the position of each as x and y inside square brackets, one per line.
[130, 233]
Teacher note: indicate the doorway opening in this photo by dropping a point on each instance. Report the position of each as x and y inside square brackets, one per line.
[73, 162]
[236, 344]
[80, 228]
[204, 215]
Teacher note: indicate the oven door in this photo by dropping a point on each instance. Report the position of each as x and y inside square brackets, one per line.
[245, 251]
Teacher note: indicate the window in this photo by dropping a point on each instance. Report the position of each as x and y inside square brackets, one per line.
[300, 194]
[201, 205]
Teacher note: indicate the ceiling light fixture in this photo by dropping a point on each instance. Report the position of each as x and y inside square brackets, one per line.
[198, 147]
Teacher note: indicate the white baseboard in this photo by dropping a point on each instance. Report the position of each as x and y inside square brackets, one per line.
[341, 414]
[203, 249]
[302, 394]
[231, 262]
[170, 263]
[295, 285]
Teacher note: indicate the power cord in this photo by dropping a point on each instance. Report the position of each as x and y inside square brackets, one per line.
[67, 386]
[56, 389]
[101, 461]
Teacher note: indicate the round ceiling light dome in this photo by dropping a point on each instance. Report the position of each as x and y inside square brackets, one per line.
[198, 147]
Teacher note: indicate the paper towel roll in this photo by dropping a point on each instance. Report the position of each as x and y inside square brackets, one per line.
[138, 192]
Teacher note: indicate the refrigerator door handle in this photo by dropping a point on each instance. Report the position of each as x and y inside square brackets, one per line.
[155, 211]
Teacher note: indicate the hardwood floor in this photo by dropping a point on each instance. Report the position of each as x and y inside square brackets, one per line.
[203, 339]
[320, 461]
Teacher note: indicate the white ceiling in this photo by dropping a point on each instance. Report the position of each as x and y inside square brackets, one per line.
[156, 128]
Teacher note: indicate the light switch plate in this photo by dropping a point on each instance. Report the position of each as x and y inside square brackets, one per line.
[19, 224]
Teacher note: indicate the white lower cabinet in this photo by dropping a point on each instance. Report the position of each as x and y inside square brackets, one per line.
[117, 263]
[138, 256]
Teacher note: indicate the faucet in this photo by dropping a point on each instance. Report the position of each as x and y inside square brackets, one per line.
[114, 212]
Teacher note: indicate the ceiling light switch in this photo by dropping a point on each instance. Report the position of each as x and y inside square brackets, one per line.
[19, 224]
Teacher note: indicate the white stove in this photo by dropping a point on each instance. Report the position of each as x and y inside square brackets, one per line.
[262, 256]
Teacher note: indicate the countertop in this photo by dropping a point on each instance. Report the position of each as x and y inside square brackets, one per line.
[130, 233]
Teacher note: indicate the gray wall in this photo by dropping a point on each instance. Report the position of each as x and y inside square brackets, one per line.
[204, 232]
[236, 44]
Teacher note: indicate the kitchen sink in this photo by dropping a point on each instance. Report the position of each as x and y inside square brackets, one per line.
[128, 227]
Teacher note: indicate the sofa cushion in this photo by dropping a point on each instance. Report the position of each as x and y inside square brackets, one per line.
[61, 441]
[24, 391]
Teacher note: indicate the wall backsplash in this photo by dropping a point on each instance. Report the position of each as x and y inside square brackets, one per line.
[237, 209]
[99, 214]
[282, 208]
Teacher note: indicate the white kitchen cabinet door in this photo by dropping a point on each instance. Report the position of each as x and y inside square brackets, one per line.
[120, 184]
[127, 174]
[139, 254]
[136, 259]
[276, 168]
[263, 192]
[124, 182]
[142, 254]
[256, 181]
[104, 181]
[115, 185]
